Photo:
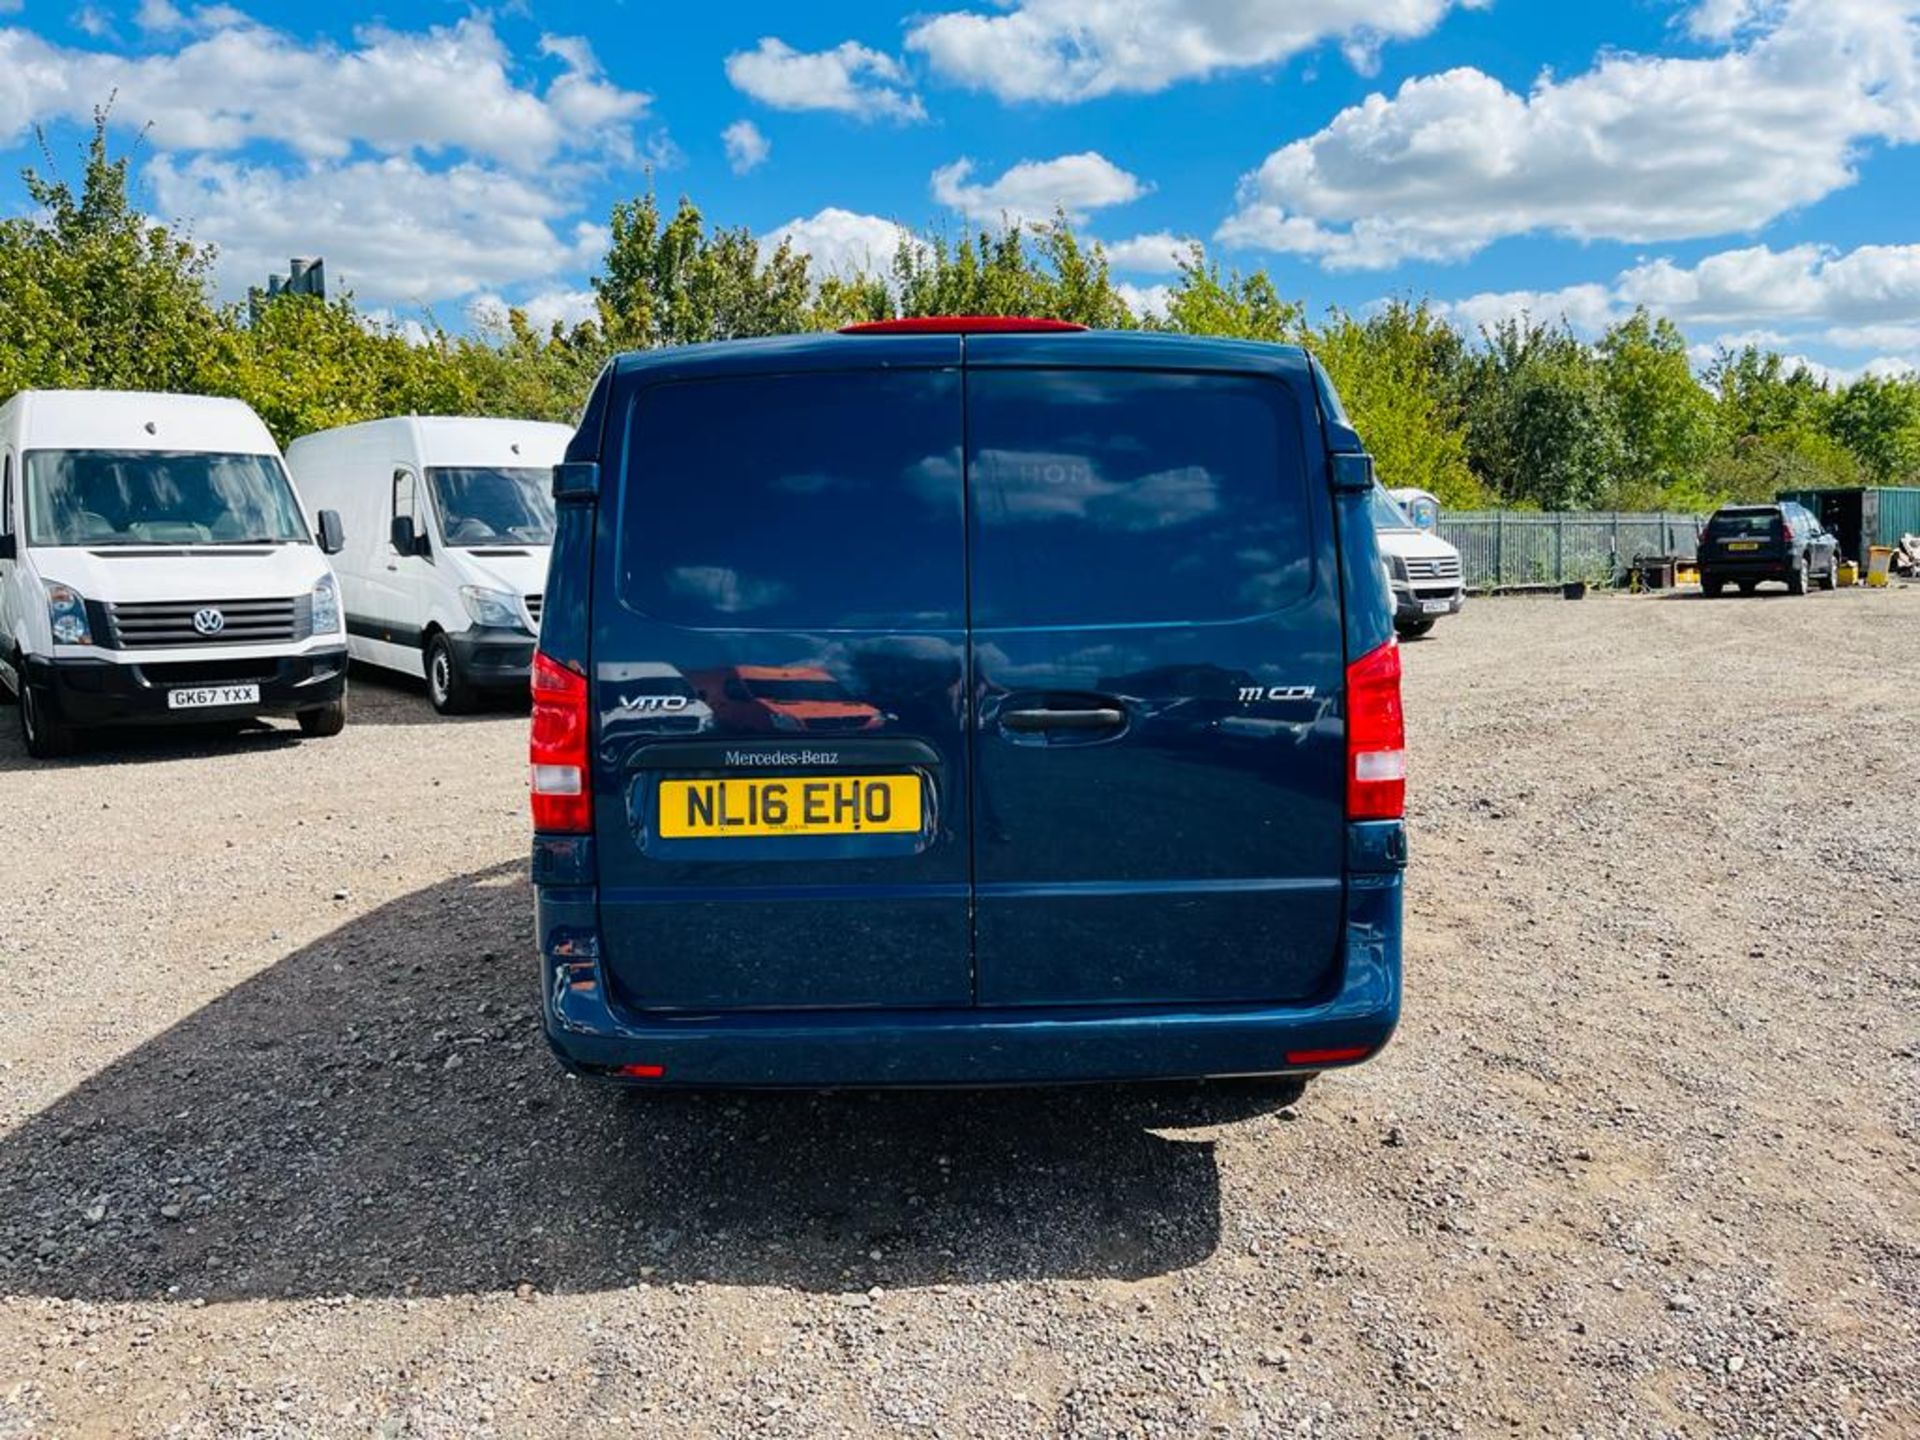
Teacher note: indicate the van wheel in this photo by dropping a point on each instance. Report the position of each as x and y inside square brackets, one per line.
[1414, 629]
[44, 737]
[447, 688]
[329, 719]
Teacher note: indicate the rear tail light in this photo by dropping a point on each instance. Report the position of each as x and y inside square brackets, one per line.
[1376, 737]
[558, 749]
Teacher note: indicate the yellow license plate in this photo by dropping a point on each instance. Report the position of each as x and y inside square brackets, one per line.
[790, 805]
[1743, 544]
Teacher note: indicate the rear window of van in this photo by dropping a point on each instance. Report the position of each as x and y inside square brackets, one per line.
[797, 502]
[1114, 497]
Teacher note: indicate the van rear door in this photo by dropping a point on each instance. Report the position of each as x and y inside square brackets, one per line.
[778, 655]
[1157, 665]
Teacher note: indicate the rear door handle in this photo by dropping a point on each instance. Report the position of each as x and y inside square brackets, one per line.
[1027, 720]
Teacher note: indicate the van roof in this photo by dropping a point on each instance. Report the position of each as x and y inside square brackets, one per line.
[465, 439]
[1117, 349]
[137, 420]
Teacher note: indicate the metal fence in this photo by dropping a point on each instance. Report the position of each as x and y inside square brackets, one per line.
[1503, 548]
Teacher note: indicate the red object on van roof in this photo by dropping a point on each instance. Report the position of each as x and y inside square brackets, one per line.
[960, 325]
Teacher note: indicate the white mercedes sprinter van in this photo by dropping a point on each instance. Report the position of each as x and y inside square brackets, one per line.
[156, 565]
[449, 525]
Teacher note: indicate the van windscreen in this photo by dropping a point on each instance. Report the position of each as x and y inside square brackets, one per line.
[814, 501]
[1112, 498]
[493, 505]
[149, 497]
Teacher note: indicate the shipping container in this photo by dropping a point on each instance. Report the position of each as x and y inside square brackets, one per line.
[1863, 516]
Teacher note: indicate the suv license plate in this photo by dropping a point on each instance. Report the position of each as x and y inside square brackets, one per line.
[1743, 544]
[1436, 607]
[212, 697]
[791, 805]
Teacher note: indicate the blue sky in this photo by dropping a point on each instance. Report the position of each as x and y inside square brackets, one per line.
[1748, 166]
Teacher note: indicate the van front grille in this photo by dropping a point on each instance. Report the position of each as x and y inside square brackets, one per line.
[533, 611]
[165, 673]
[1433, 567]
[153, 624]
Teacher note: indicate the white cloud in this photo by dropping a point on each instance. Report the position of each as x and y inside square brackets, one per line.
[747, 148]
[424, 92]
[1034, 189]
[421, 164]
[156, 16]
[849, 78]
[1146, 301]
[1068, 50]
[391, 230]
[1635, 148]
[1858, 299]
[1156, 254]
[543, 310]
[842, 242]
[92, 20]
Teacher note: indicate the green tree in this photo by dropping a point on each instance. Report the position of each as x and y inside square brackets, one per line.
[675, 282]
[1669, 426]
[1542, 427]
[1240, 307]
[307, 364]
[1399, 375]
[1038, 270]
[94, 295]
[1878, 419]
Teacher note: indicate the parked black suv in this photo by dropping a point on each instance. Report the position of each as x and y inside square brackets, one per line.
[1745, 544]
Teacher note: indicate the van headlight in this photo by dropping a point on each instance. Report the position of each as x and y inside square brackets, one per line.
[326, 606]
[67, 612]
[495, 609]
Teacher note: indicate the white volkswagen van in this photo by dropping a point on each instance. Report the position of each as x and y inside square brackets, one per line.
[449, 525]
[1423, 570]
[156, 565]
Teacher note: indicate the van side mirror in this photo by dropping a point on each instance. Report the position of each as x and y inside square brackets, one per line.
[9, 547]
[1353, 472]
[333, 539]
[407, 540]
[576, 480]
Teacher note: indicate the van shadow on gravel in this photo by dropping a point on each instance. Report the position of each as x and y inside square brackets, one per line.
[377, 1114]
[386, 697]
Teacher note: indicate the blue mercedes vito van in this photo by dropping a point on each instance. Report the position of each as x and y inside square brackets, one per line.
[966, 701]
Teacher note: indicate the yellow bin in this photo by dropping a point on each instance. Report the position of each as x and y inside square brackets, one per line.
[1847, 574]
[1879, 562]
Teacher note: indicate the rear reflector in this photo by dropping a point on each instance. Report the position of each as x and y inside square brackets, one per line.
[642, 1072]
[962, 325]
[1338, 1055]
[1376, 737]
[557, 747]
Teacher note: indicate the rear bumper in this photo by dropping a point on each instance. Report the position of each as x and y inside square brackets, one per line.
[99, 692]
[494, 659]
[967, 1047]
[1762, 567]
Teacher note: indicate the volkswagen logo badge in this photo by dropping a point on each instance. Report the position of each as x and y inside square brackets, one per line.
[209, 621]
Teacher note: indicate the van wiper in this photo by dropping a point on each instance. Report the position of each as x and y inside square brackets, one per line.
[250, 540]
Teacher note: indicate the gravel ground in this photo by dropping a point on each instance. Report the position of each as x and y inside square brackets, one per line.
[282, 1151]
